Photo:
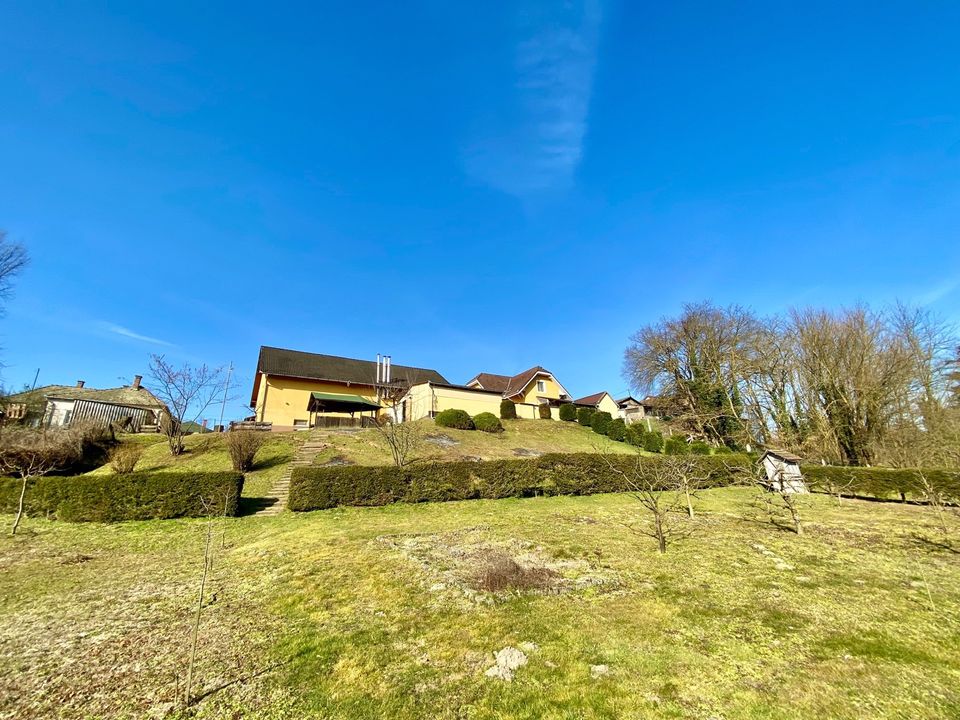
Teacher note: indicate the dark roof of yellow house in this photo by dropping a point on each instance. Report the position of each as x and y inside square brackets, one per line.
[332, 368]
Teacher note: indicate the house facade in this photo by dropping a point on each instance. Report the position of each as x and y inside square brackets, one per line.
[631, 409]
[601, 401]
[528, 390]
[296, 390]
[133, 407]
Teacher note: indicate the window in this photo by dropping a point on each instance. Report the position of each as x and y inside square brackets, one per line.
[300, 423]
[541, 386]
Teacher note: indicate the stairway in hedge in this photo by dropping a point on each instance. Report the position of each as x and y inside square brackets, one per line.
[276, 500]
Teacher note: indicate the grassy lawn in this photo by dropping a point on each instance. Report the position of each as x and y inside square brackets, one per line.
[444, 444]
[374, 612]
[207, 453]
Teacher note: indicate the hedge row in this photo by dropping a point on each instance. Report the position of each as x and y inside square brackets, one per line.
[881, 482]
[317, 488]
[137, 496]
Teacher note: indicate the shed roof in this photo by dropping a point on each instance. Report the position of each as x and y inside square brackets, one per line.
[126, 396]
[783, 455]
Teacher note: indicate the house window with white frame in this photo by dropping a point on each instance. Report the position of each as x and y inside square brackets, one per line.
[541, 386]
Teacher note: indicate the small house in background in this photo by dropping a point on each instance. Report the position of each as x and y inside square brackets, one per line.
[132, 408]
[653, 406]
[631, 409]
[601, 401]
[782, 470]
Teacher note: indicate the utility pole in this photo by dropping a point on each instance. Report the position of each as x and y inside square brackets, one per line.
[34, 386]
[226, 388]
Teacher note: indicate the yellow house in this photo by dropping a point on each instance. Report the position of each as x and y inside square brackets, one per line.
[296, 390]
[527, 390]
[602, 401]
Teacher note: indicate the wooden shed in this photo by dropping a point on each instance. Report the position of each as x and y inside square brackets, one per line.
[782, 470]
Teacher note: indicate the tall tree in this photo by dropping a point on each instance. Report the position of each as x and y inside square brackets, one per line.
[13, 259]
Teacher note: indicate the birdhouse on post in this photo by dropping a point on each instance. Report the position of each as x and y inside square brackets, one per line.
[782, 470]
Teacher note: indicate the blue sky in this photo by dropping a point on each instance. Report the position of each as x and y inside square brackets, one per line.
[470, 187]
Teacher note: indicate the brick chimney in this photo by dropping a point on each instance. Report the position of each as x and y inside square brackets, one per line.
[136, 382]
[80, 383]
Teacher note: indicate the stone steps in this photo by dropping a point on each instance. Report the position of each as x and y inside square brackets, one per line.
[276, 500]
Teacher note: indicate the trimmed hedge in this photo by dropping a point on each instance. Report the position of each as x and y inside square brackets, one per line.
[653, 441]
[318, 488]
[136, 496]
[599, 422]
[585, 415]
[454, 418]
[487, 422]
[544, 411]
[508, 410]
[617, 430]
[568, 412]
[676, 445]
[881, 482]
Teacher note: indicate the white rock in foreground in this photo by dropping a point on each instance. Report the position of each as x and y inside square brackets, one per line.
[508, 661]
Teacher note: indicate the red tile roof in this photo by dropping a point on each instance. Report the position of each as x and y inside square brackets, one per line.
[590, 400]
[506, 384]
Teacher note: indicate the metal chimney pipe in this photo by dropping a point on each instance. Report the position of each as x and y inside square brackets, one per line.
[378, 368]
[389, 368]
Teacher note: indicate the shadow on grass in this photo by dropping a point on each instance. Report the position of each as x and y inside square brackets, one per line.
[922, 541]
[271, 462]
[253, 505]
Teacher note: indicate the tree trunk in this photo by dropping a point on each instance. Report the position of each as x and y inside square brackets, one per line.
[16, 521]
[686, 492]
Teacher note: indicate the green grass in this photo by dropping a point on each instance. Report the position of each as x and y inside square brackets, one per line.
[361, 613]
[542, 436]
[208, 453]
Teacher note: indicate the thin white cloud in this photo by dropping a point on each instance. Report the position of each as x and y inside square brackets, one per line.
[555, 64]
[938, 292]
[128, 333]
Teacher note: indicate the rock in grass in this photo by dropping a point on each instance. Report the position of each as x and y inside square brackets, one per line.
[597, 671]
[508, 661]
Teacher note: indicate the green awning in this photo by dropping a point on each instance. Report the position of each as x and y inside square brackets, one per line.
[336, 402]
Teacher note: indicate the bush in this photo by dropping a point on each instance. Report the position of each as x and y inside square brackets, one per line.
[544, 411]
[653, 441]
[317, 488]
[508, 411]
[487, 422]
[699, 448]
[599, 422]
[634, 435]
[676, 445]
[124, 458]
[881, 483]
[453, 418]
[617, 430]
[568, 412]
[585, 415]
[145, 495]
[243, 446]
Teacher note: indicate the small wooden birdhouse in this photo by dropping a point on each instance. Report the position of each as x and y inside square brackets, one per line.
[782, 470]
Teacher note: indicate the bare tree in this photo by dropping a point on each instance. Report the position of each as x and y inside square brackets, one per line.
[187, 391]
[29, 454]
[852, 385]
[403, 438]
[663, 488]
[13, 259]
